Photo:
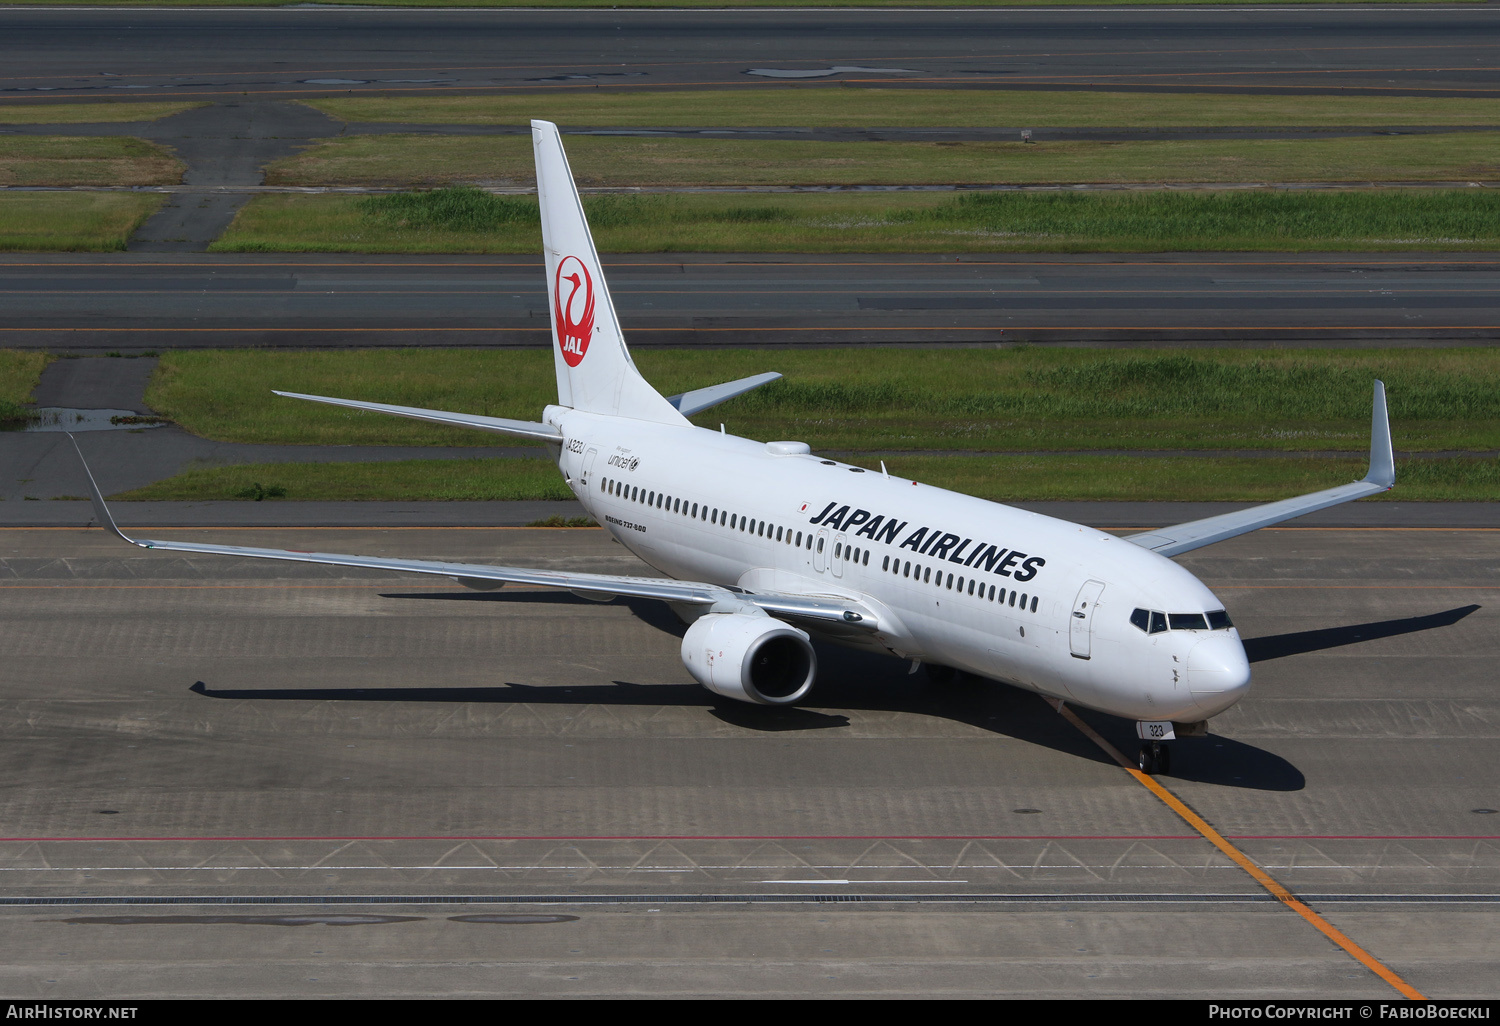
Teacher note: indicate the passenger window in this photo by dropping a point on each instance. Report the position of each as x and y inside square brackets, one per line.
[820, 544]
[992, 593]
[778, 534]
[1158, 622]
[837, 550]
[885, 564]
[1023, 602]
[1141, 618]
[1012, 598]
[867, 558]
[1033, 603]
[906, 571]
[927, 576]
[1218, 620]
[1002, 596]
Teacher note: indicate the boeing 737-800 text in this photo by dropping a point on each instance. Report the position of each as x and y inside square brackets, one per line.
[765, 545]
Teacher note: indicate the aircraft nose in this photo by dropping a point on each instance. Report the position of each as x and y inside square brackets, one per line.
[1218, 673]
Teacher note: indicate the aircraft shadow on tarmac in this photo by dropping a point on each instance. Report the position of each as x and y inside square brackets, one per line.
[1275, 646]
[852, 680]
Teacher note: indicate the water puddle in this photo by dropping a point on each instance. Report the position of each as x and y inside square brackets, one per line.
[590, 78]
[837, 69]
[61, 418]
[512, 918]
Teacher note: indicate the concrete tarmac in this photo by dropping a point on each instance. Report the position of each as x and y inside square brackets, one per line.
[134, 302]
[285, 53]
[229, 778]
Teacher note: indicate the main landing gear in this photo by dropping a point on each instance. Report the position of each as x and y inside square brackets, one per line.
[1154, 757]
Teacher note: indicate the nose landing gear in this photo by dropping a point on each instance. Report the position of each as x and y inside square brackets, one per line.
[1155, 757]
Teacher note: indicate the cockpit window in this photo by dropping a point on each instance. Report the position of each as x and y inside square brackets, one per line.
[1188, 621]
[1158, 622]
[1218, 620]
[1141, 618]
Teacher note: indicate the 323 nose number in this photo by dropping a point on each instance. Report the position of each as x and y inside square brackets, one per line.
[1155, 730]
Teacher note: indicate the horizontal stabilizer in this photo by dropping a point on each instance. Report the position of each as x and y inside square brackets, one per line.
[700, 399]
[500, 425]
[1170, 541]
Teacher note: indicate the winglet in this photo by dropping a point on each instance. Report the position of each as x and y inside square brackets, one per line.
[101, 511]
[1382, 459]
[1381, 477]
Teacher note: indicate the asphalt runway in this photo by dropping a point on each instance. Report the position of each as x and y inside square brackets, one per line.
[227, 779]
[72, 302]
[279, 53]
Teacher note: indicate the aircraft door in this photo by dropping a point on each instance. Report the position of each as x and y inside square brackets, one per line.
[820, 552]
[1080, 624]
[840, 553]
[588, 466]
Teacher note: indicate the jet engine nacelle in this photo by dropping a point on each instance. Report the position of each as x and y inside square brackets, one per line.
[750, 658]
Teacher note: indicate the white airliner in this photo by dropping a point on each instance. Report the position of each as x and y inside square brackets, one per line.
[765, 545]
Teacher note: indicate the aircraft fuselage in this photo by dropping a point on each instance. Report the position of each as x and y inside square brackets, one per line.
[979, 586]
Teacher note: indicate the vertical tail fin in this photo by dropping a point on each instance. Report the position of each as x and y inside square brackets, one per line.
[594, 370]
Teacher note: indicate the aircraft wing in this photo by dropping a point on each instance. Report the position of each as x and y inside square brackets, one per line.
[1170, 541]
[502, 425]
[812, 609]
[700, 399]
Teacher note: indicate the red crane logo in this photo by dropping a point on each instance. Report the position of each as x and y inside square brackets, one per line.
[573, 315]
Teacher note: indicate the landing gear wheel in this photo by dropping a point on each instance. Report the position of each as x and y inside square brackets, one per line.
[1154, 757]
[1146, 759]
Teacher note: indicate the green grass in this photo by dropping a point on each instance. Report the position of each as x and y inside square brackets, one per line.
[1001, 478]
[85, 160]
[86, 113]
[822, 106]
[401, 481]
[1191, 479]
[637, 162]
[455, 210]
[72, 222]
[1015, 399]
[19, 373]
[469, 221]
